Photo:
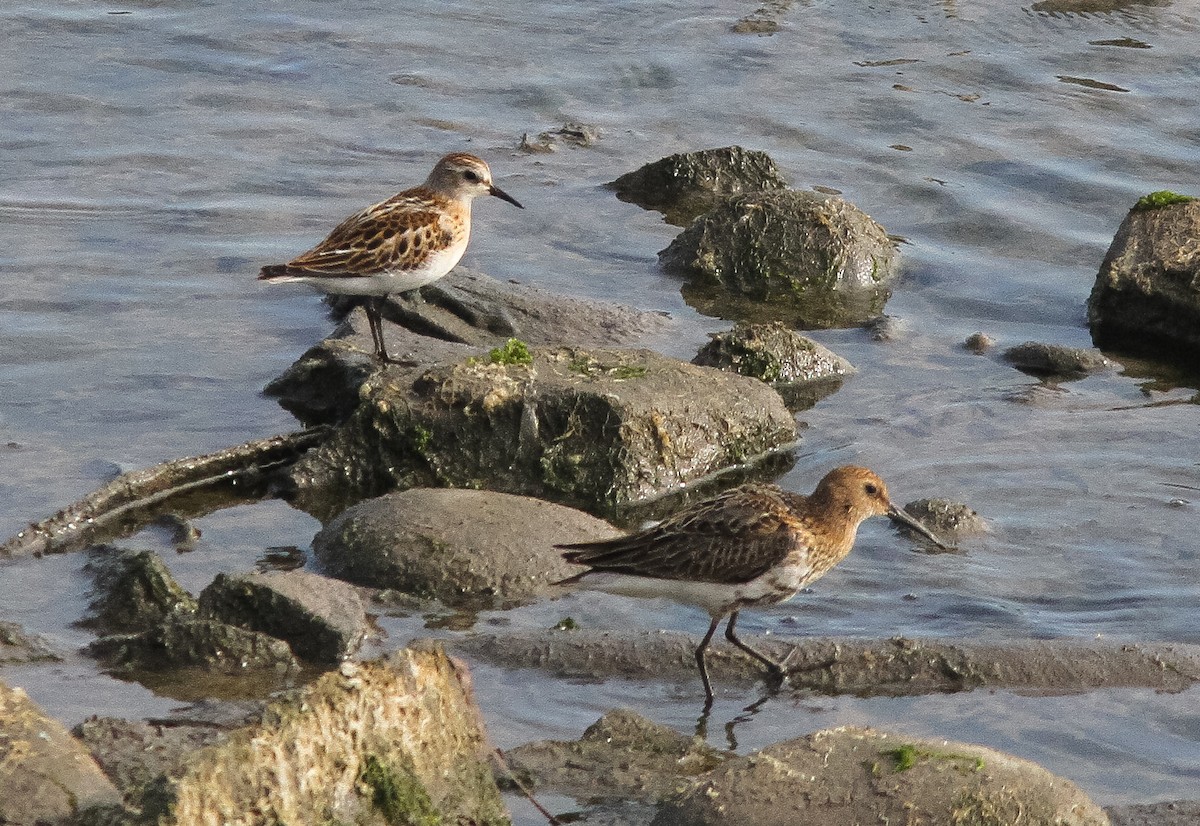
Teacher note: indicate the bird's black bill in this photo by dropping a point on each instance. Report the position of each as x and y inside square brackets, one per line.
[504, 196]
[897, 515]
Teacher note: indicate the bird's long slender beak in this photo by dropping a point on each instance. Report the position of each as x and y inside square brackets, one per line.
[504, 196]
[897, 515]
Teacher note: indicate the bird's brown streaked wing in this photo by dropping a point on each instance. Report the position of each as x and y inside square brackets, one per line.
[734, 537]
[386, 237]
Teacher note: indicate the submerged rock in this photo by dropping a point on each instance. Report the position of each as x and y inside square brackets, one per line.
[803, 371]
[321, 619]
[46, 776]
[19, 646]
[1147, 294]
[689, 184]
[1056, 361]
[949, 520]
[397, 740]
[467, 548]
[596, 428]
[812, 260]
[134, 591]
[854, 775]
[621, 755]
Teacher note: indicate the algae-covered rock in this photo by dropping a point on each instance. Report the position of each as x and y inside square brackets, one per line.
[689, 184]
[322, 619]
[447, 321]
[182, 642]
[803, 371]
[397, 740]
[134, 591]
[620, 755]
[853, 775]
[812, 260]
[594, 428]
[1146, 298]
[467, 548]
[46, 776]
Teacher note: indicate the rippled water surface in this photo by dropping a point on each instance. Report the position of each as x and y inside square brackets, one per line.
[156, 154]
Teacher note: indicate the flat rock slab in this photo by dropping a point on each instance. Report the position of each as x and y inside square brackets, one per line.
[849, 776]
[1147, 294]
[896, 667]
[459, 316]
[467, 548]
[46, 776]
[189, 642]
[592, 428]
[397, 740]
[810, 260]
[322, 619]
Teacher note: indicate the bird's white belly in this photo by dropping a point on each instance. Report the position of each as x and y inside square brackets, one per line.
[435, 265]
[714, 597]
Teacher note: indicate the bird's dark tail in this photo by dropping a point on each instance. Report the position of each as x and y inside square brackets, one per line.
[273, 272]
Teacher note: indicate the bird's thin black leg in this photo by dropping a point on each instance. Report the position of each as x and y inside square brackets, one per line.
[708, 692]
[775, 668]
[374, 308]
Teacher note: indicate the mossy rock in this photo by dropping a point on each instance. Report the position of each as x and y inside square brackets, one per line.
[1146, 299]
[689, 184]
[813, 261]
[592, 428]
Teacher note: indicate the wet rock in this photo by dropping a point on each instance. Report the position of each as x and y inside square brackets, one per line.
[467, 548]
[886, 328]
[187, 643]
[322, 619]
[621, 755]
[1053, 360]
[133, 752]
[896, 667]
[449, 320]
[950, 520]
[756, 25]
[979, 343]
[1170, 813]
[46, 776]
[134, 591]
[687, 185]
[397, 740]
[19, 646]
[811, 260]
[803, 371]
[596, 428]
[1147, 294]
[570, 133]
[854, 775]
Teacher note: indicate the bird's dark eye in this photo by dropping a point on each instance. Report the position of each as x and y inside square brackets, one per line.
[871, 488]
[471, 175]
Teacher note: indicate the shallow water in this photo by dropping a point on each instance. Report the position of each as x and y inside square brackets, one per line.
[156, 155]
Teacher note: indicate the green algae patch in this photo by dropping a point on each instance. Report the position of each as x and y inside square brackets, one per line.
[906, 756]
[398, 794]
[1160, 199]
[513, 351]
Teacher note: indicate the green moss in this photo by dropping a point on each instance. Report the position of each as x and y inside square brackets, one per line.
[905, 757]
[513, 351]
[398, 795]
[629, 371]
[1160, 199]
[420, 437]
